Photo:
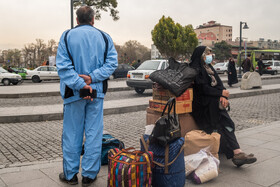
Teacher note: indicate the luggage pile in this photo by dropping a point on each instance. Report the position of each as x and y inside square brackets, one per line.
[162, 161]
[183, 107]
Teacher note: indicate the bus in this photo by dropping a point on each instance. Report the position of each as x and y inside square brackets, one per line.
[266, 54]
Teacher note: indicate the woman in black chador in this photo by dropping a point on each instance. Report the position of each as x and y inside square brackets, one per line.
[210, 101]
[232, 75]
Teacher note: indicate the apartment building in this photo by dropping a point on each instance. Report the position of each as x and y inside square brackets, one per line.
[210, 33]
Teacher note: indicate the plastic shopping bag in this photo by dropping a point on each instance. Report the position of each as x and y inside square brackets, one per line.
[201, 166]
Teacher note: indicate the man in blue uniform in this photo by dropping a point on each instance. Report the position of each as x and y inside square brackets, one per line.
[86, 57]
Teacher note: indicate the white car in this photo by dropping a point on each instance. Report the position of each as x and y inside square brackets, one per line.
[7, 78]
[139, 78]
[221, 67]
[43, 73]
[271, 67]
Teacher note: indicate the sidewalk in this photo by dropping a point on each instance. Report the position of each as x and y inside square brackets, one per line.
[54, 112]
[263, 141]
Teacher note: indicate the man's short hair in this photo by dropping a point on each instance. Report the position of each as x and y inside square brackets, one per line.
[85, 14]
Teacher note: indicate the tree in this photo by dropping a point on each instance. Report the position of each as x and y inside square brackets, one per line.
[132, 52]
[13, 57]
[222, 51]
[102, 5]
[173, 39]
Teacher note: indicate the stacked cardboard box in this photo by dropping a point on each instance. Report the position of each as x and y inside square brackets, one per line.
[183, 107]
[161, 96]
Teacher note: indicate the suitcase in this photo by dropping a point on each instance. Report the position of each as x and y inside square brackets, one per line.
[174, 174]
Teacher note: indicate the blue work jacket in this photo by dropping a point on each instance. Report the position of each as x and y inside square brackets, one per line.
[86, 46]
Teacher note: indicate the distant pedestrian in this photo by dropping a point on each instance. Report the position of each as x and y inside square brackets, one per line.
[260, 66]
[247, 64]
[86, 57]
[232, 75]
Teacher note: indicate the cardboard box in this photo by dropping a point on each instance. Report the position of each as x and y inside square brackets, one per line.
[160, 93]
[186, 121]
[182, 107]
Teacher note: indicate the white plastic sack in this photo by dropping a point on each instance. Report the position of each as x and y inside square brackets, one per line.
[149, 129]
[204, 165]
[194, 160]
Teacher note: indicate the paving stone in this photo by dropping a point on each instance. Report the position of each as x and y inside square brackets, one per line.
[21, 177]
[2, 184]
[264, 173]
[275, 145]
[266, 137]
[34, 141]
[42, 182]
[251, 141]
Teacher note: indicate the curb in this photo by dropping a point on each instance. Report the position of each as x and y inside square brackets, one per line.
[59, 116]
[56, 93]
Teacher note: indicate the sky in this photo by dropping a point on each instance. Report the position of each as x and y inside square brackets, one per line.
[22, 21]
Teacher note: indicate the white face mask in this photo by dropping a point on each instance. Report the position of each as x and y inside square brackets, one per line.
[208, 59]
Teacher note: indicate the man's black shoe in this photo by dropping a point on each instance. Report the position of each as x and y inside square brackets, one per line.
[87, 181]
[72, 181]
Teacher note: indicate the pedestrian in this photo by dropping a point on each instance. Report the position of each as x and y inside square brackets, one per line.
[209, 103]
[260, 66]
[247, 64]
[232, 75]
[85, 59]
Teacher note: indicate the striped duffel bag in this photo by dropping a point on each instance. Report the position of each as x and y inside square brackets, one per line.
[128, 168]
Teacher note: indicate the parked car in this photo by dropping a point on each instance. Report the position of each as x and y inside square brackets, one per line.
[271, 67]
[139, 78]
[43, 73]
[121, 71]
[7, 78]
[21, 71]
[221, 67]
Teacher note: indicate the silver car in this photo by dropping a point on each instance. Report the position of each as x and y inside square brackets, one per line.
[221, 67]
[139, 78]
[271, 67]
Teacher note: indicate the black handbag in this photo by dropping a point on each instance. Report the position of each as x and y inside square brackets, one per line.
[167, 128]
[177, 78]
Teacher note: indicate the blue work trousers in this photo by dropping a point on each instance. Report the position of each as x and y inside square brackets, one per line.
[83, 117]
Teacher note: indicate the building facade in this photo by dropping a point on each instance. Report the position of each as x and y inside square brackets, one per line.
[210, 33]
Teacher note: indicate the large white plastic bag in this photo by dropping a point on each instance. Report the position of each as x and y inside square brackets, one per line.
[207, 170]
[149, 129]
[194, 160]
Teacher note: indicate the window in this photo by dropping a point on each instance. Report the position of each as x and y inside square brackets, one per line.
[43, 69]
[52, 69]
[162, 65]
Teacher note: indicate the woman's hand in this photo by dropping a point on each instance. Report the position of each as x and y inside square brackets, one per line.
[224, 101]
[225, 93]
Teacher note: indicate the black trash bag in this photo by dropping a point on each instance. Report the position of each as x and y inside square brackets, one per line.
[177, 78]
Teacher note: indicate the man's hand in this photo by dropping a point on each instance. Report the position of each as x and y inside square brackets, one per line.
[224, 101]
[90, 90]
[225, 93]
[86, 78]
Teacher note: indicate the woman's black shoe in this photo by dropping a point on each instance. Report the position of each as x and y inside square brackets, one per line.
[87, 181]
[72, 181]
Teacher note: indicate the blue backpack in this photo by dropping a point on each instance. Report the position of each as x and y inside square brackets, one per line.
[108, 142]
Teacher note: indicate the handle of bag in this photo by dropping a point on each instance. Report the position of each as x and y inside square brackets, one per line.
[146, 147]
[171, 103]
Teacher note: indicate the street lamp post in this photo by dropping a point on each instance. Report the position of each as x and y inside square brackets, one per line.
[240, 45]
[71, 11]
